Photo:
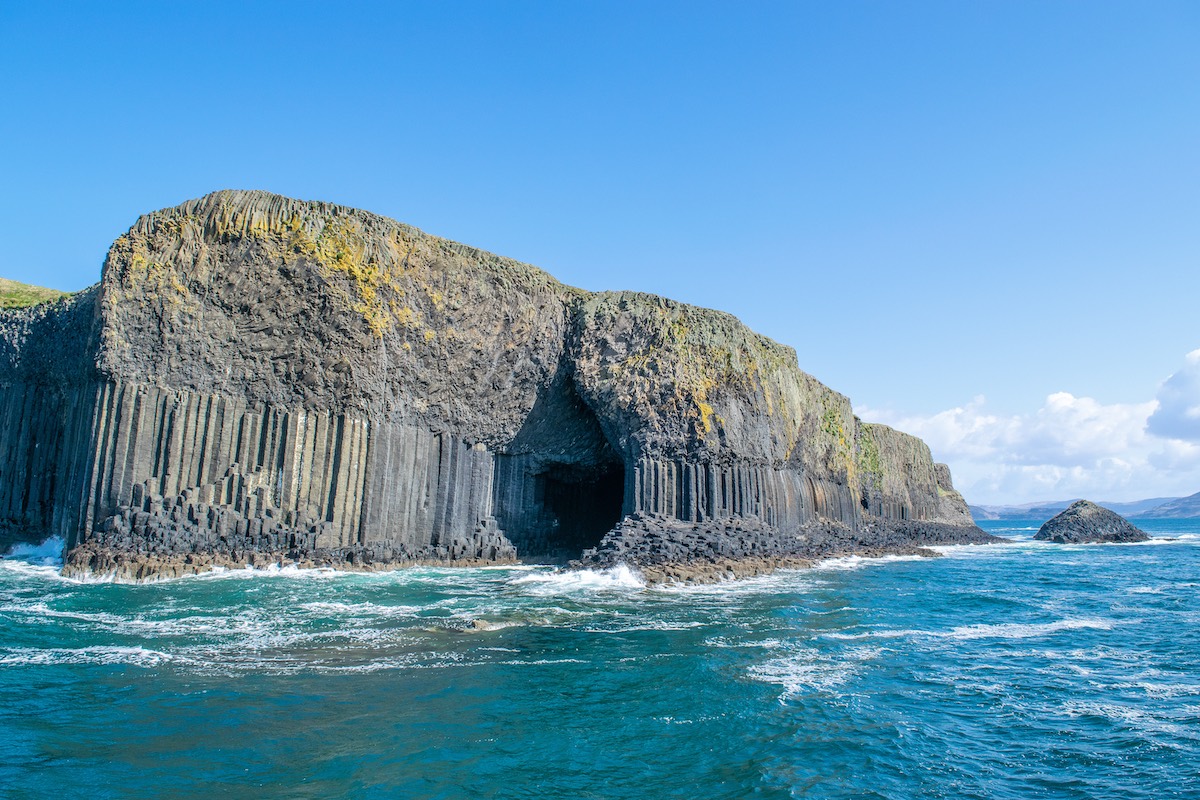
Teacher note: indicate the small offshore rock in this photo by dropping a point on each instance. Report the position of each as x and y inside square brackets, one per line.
[1084, 522]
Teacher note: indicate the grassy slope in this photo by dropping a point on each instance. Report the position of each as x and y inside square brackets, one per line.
[21, 295]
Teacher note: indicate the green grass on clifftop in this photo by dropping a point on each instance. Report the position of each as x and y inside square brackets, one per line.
[22, 295]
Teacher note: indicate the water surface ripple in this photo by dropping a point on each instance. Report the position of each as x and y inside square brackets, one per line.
[1014, 671]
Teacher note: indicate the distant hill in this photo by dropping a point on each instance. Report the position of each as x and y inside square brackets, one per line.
[1173, 509]
[22, 295]
[1047, 509]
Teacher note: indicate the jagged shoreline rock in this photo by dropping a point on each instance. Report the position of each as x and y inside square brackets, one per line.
[93, 560]
[666, 550]
[1084, 522]
[256, 374]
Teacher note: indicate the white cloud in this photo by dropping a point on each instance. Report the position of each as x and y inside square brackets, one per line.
[1070, 446]
[1178, 414]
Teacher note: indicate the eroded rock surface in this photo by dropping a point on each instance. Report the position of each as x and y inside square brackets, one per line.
[304, 382]
[1084, 522]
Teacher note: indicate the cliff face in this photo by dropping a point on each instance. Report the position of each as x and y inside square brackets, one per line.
[259, 375]
[48, 390]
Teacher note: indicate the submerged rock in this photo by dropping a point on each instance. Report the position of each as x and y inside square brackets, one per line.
[1084, 522]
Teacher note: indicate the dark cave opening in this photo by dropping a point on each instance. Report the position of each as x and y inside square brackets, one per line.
[582, 503]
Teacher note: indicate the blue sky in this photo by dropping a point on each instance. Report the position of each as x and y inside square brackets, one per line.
[956, 212]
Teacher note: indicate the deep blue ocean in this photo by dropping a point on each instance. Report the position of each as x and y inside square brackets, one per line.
[1023, 670]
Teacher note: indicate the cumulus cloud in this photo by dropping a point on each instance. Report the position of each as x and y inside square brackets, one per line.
[1070, 446]
[1178, 413]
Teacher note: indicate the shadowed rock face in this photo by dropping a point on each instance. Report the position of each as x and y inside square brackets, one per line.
[262, 377]
[1084, 522]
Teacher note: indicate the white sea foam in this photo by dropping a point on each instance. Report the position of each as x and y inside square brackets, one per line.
[1006, 630]
[1159, 689]
[808, 670]
[1161, 539]
[25, 569]
[266, 571]
[1021, 630]
[842, 563]
[883, 634]
[35, 560]
[619, 577]
[46, 554]
[994, 549]
[724, 641]
[40, 612]
[362, 609]
[243, 624]
[780, 580]
[654, 625]
[1134, 717]
[99, 654]
[649, 657]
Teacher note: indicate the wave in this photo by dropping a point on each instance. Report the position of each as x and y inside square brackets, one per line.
[42, 560]
[1158, 689]
[1005, 630]
[26, 570]
[620, 577]
[1155, 540]
[781, 580]
[1143, 720]
[842, 563]
[47, 553]
[1023, 630]
[362, 609]
[656, 625]
[97, 654]
[1163, 539]
[809, 670]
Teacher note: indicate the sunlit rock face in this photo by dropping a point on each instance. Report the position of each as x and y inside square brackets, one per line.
[257, 378]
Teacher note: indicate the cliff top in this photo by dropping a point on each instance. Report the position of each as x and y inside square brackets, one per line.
[321, 306]
[293, 302]
[23, 295]
[339, 238]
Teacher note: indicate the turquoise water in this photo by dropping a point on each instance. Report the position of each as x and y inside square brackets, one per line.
[1012, 671]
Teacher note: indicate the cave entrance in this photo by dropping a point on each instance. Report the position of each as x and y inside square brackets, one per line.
[581, 505]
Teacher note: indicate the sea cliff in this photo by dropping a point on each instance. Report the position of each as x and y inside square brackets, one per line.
[257, 379]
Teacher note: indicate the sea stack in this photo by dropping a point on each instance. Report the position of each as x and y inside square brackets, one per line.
[1084, 522]
[257, 379]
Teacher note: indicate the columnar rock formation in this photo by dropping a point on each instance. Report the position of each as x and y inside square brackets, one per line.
[259, 376]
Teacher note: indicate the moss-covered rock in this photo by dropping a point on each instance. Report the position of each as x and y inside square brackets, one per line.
[259, 372]
[23, 295]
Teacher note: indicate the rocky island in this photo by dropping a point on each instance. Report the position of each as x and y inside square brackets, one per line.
[260, 380]
[1084, 522]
